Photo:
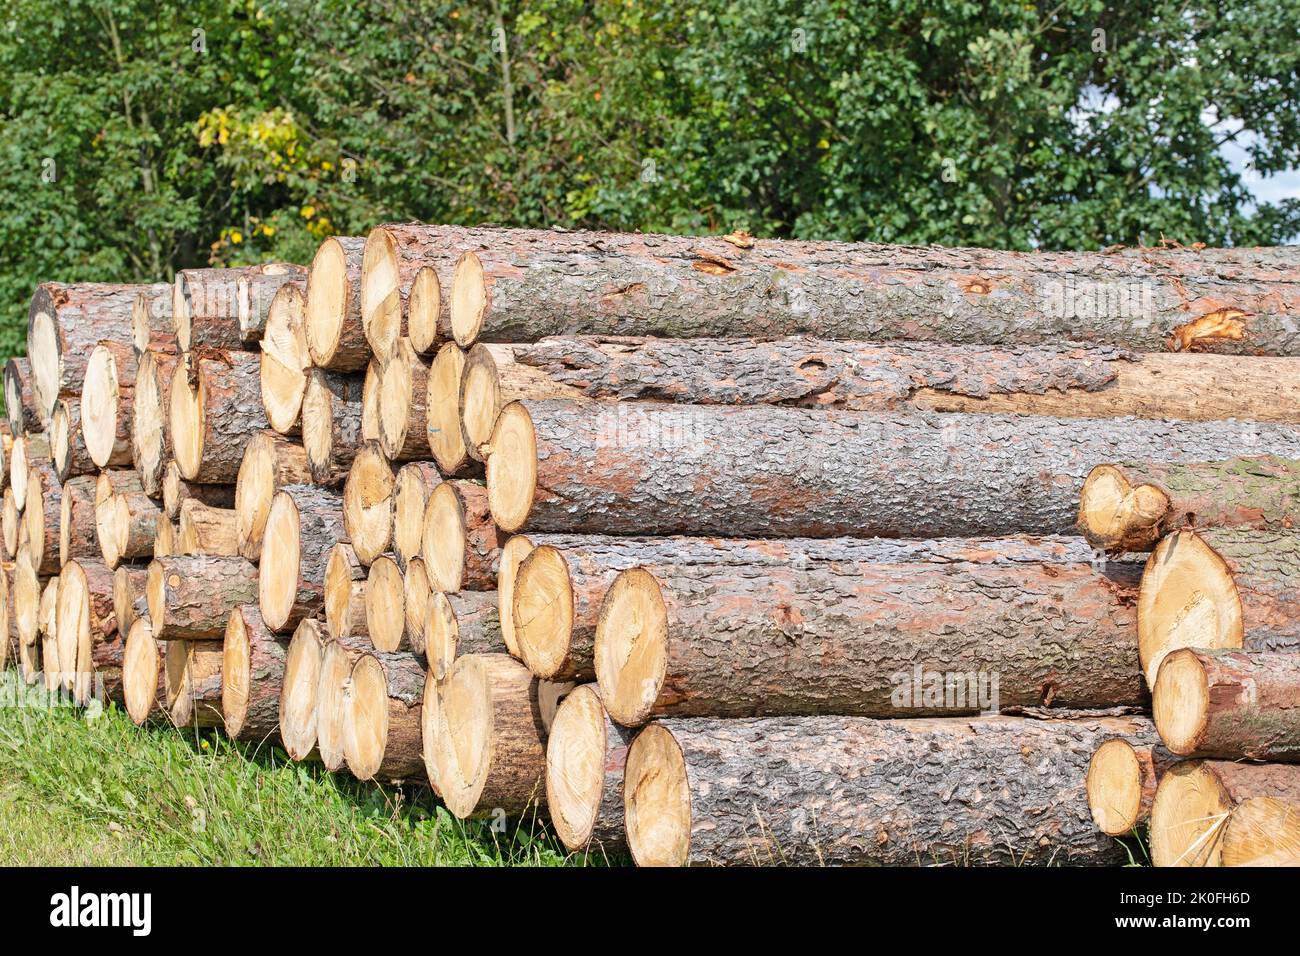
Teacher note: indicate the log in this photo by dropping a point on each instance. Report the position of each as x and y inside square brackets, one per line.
[480, 399]
[461, 545]
[335, 683]
[256, 289]
[381, 718]
[463, 623]
[770, 472]
[41, 515]
[442, 412]
[890, 629]
[270, 462]
[513, 554]
[1221, 588]
[523, 286]
[1197, 799]
[64, 324]
[252, 677]
[107, 404]
[152, 328]
[585, 756]
[1068, 380]
[165, 542]
[27, 451]
[215, 404]
[299, 694]
[1130, 507]
[335, 338]
[86, 632]
[192, 681]
[151, 446]
[283, 374]
[1230, 704]
[9, 523]
[176, 491]
[406, 280]
[67, 441]
[411, 489]
[345, 594]
[484, 743]
[27, 601]
[402, 391]
[144, 685]
[207, 530]
[1122, 778]
[48, 617]
[416, 596]
[130, 596]
[1262, 831]
[304, 523]
[386, 606]
[370, 388]
[77, 536]
[190, 598]
[6, 449]
[20, 402]
[331, 424]
[368, 503]
[817, 791]
[126, 519]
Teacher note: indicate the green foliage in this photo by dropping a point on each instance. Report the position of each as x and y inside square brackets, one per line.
[1008, 124]
[78, 789]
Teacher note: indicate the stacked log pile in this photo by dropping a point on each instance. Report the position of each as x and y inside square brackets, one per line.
[717, 550]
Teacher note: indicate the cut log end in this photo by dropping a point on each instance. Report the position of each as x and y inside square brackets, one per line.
[657, 800]
[1263, 831]
[186, 417]
[411, 490]
[441, 635]
[479, 399]
[344, 592]
[101, 391]
[1116, 516]
[277, 579]
[1188, 817]
[543, 611]
[381, 300]
[1114, 787]
[149, 421]
[1187, 599]
[285, 360]
[443, 539]
[468, 299]
[1180, 700]
[458, 760]
[327, 303]
[365, 723]
[45, 354]
[575, 766]
[512, 468]
[424, 310]
[367, 503]
[442, 403]
[335, 682]
[632, 646]
[299, 694]
[141, 667]
[385, 604]
[513, 554]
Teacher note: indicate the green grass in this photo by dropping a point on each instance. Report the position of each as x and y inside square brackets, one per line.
[81, 789]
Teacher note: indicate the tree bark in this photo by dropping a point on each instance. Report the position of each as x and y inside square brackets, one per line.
[331, 424]
[765, 472]
[1130, 507]
[1068, 380]
[255, 290]
[381, 722]
[77, 538]
[176, 491]
[818, 791]
[20, 402]
[252, 675]
[216, 403]
[190, 598]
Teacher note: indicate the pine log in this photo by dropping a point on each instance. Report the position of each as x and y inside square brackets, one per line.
[585, 757]
[1122, 779]
[484, 741]
[47, 615]
[1197, 799]
[64, 324]
[226, 308]
[331, 424]
[193, 684]
[26, 601]
[335, 337]
[368, 503]
[299, 694]
[107, 404]
[442, 412]
[1068, 380]
[77, 537]
[6, 448]
[206, 530]
[270, 462]
[144, 682]
[480, 399]
[414, 482]
[304, 523]
[381, 718]
[190, 598]
[27, 451]
[165, 542]
[386, 606]
[652, 468]
[256, 289]
[463, 623]
[1221, 588]
[1130, 507]
[42, 513]
[402, 394]
[345, 594]
[215, 404]
[252, 676]
[819, 791]
[67, 441]
[1262, 831]
[461, 545]
[152, 328]
[151, 446]
[283, 374]
[407, 276]
[20, 403]
[513, 554]
[1230, 704]
[130, 595]
[126, 519]
[416, 597]
[889, 629]
[176, 491]
[525, 285]
[89, 644]
[10, 520]
[335, 683]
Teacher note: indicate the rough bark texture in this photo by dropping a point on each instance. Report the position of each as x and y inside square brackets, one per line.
[320, 522]
[151, 446]
[177, 491]
[232, 410]
[198, 594]
[256, 287]
[1069, 380]
[42, 515]
[20, 402]
[548, 283]
[251, 698]
[1261, 493]
[1265, 566]
[821, 791]
[81, 315]
[67, 442]
[77, 538]
[636, 469]
[338, 418]
[403, 754]
[891, 629]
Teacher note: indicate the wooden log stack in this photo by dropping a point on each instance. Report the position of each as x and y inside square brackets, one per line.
[714, 550]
